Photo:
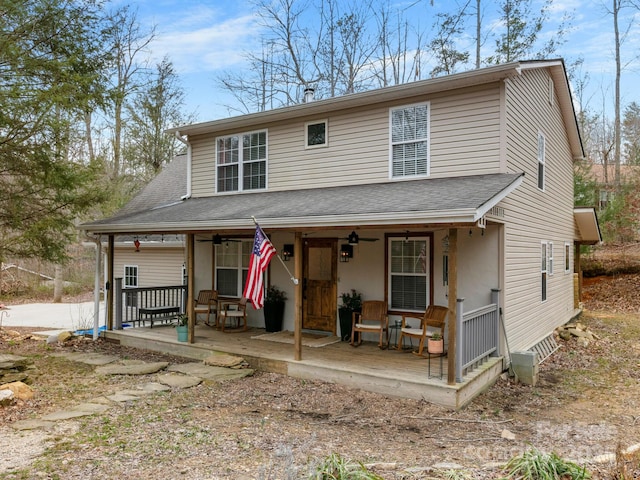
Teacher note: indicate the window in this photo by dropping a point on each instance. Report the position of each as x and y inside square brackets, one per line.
[131, 281]
[409, 274]
[232, 265]
[543, 271]
[242, 162]
[130, 276]
[541, 161]
[410, 141]
[316, 134]
[567, 257]
[550, 258]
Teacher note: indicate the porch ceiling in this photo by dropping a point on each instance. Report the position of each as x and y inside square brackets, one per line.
[453, 200]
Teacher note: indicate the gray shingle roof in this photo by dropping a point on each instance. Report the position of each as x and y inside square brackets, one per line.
[434, 200]
[167, 187]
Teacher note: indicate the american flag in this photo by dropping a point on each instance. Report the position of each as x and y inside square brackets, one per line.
[263, 252]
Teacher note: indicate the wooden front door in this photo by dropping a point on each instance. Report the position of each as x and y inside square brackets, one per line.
[319, 288]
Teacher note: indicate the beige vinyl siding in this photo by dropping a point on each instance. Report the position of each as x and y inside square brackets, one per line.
[358, 150]
[203, 174]
[532, 215]
[157, 266]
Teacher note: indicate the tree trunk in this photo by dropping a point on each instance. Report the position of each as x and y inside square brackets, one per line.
[58, 285]
[616, 9]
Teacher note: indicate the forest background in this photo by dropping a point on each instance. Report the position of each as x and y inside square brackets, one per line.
[85, 102]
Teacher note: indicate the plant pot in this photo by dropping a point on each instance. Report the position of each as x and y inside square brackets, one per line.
[273, 316]
[345, 316]
[183, 333]
[435, 347]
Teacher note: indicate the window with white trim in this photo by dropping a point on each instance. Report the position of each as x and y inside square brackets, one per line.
[541, 160]
[232, 267]
[316, 134]
[241, 162]
[550, 258]
[543, 271]
[409, 269]
[130, 280]
[567, 257]
[130, 276]
[410, 140]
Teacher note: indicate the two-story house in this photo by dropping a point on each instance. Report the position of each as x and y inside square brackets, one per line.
[456, 191]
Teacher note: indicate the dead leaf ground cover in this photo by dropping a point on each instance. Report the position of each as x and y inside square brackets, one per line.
[268, 426]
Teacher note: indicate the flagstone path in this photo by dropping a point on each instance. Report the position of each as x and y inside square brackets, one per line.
[176, 376]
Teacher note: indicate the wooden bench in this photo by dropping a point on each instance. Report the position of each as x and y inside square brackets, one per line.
[162, 313]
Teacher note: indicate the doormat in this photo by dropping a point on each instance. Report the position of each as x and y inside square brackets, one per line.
[308, 340]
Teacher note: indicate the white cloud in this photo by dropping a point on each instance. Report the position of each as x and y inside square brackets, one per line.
[202, 39]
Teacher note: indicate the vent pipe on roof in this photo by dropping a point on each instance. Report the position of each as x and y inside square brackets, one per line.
[309, 94]
[188, 144]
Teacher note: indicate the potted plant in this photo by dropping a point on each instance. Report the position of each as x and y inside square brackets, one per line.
[274, 301]
[351, 302]
[182, 327]
[435, 344]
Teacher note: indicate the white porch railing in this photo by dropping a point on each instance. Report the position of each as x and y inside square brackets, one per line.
[477, 335]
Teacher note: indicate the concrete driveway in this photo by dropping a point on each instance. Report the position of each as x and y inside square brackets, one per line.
[56, 316]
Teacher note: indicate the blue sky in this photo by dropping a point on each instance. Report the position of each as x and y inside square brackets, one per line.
[204, 38]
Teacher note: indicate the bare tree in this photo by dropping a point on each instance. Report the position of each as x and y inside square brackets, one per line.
[617, 6]
[156, 107]
[127, 44]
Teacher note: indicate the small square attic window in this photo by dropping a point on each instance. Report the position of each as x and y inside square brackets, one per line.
[316, 134]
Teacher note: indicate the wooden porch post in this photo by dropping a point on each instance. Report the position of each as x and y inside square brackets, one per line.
[577, 267]
[190, 284]
[109, 301]
[297, 273]
[453, 301]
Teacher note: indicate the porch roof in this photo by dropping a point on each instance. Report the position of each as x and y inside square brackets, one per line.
[453, 200]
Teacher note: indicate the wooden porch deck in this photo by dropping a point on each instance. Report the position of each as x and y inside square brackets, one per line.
[388, 372]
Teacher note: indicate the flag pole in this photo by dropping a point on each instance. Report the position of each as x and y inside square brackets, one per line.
[293, 279]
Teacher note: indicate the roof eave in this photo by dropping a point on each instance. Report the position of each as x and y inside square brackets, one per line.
[369, 97]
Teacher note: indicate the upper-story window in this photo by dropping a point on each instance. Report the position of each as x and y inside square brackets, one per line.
[316, 134]
[541, 160]
[242, 157]
[410, 141]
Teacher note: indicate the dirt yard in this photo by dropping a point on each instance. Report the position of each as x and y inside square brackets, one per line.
[585, 406]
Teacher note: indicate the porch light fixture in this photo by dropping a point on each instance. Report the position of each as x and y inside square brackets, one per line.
[353, 238]
[136, 243]
[287, 251]
[346, 252]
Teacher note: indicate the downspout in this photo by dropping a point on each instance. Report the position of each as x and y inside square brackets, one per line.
[186, 142]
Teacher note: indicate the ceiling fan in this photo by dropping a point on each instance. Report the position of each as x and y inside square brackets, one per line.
[218, 240]
[354, 238]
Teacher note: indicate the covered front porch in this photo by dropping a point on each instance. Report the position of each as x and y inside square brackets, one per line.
[388, 372]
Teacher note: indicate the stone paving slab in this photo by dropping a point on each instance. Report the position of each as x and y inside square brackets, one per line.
[223, 360]
[124, 368]
[97, 359]
[175, 380]
[119, 397]
[209, 372]
[74, 412]
[31, 425]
